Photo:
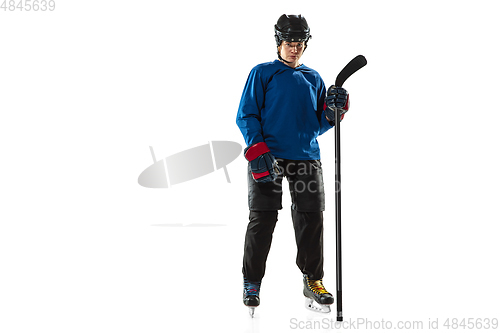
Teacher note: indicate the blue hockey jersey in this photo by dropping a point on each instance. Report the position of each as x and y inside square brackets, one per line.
[283, 107]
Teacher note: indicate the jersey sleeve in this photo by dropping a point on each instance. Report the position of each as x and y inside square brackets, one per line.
[324, 124]
[248, 118]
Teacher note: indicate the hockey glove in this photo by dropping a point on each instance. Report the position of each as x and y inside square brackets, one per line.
[262, 163]
[336, 98]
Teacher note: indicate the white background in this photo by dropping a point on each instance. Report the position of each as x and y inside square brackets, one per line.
[87, 88]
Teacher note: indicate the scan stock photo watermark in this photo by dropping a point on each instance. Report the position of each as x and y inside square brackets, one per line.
[196, 162]
[27, 5]
[486, 324]
[189, 165]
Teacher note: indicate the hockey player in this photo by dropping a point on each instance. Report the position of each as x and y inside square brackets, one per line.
[283, 109]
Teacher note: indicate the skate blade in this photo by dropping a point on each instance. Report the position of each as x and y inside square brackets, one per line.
[251, 310]
[313, 306]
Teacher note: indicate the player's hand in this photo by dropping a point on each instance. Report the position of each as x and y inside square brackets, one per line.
[262, 163]
[336, 98]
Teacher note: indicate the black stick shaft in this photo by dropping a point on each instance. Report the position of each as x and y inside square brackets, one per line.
[354, 65]
[338, 215]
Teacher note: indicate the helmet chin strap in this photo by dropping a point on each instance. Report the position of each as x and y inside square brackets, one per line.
[281, 59]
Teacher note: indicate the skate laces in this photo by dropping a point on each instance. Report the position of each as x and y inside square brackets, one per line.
[317, 286]
[251, 287]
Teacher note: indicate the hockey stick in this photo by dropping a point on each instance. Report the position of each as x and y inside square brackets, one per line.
[353, 66]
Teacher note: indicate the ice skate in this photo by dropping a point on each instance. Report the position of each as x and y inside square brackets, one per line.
[251, 290]
[317, 298]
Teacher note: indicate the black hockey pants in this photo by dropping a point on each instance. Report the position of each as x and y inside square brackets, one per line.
[305, 180]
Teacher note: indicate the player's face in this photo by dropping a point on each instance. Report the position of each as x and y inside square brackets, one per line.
[291, 52]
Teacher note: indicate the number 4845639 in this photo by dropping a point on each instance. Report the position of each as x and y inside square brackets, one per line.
[28, 5]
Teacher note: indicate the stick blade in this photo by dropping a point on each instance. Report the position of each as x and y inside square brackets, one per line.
[352, 67]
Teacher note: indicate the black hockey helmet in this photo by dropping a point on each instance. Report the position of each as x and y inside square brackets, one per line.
[291, 28]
